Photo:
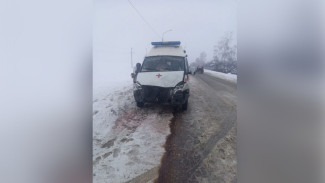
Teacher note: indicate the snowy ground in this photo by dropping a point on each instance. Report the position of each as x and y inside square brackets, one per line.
[230, 77]
[127, 141]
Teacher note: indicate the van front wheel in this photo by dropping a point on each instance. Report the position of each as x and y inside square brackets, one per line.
[140, 104]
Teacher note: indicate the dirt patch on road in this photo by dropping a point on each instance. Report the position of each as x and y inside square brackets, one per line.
[165, 168]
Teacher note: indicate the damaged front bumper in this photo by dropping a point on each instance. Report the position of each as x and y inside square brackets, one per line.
[155, 94]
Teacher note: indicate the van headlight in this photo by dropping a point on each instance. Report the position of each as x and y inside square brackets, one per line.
[179, 86]
[137, 86]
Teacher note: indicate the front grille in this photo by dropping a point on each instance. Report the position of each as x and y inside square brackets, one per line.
[156, 94]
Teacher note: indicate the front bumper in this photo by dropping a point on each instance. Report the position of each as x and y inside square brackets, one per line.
[155, 94]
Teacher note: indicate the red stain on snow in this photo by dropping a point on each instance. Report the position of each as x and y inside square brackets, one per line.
[129, 120]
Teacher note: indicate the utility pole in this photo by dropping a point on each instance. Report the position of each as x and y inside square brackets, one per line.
[162, 37]
[131, 60]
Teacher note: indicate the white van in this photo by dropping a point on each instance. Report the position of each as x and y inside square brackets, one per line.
[163, 76]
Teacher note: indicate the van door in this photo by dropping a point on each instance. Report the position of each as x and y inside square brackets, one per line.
[186, 77]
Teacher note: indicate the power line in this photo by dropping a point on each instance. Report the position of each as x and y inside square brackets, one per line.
[143, 18]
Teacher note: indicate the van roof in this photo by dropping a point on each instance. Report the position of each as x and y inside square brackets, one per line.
[166, 50]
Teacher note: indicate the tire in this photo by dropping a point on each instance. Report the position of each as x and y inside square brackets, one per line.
[184, 106]
[140, 104]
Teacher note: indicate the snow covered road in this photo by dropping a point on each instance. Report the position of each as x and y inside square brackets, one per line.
[202, 146]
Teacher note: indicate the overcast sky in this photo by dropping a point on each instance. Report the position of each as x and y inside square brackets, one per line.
[197, 24]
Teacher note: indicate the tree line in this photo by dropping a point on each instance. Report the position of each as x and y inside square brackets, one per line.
[224, 56]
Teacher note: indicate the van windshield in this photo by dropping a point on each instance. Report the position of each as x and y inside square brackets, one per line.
[163, 63]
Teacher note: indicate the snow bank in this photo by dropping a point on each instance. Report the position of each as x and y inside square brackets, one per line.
[127, 141]
[229, 76]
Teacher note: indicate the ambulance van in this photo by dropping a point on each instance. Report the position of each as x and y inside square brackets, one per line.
[163, 76]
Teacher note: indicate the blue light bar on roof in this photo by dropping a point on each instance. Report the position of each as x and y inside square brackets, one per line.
[168, 43]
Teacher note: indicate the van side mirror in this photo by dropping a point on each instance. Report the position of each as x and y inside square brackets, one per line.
[132, 75]
[138, 68]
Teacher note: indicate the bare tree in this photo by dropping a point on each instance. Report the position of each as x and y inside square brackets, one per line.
[203, 57]
[223, 51]
[225, 56]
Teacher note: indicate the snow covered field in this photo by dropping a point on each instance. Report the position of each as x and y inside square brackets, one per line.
[229, 77]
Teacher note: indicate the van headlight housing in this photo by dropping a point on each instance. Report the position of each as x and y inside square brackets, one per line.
[179, 86]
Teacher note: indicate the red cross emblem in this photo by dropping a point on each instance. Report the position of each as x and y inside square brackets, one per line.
[158, 75]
